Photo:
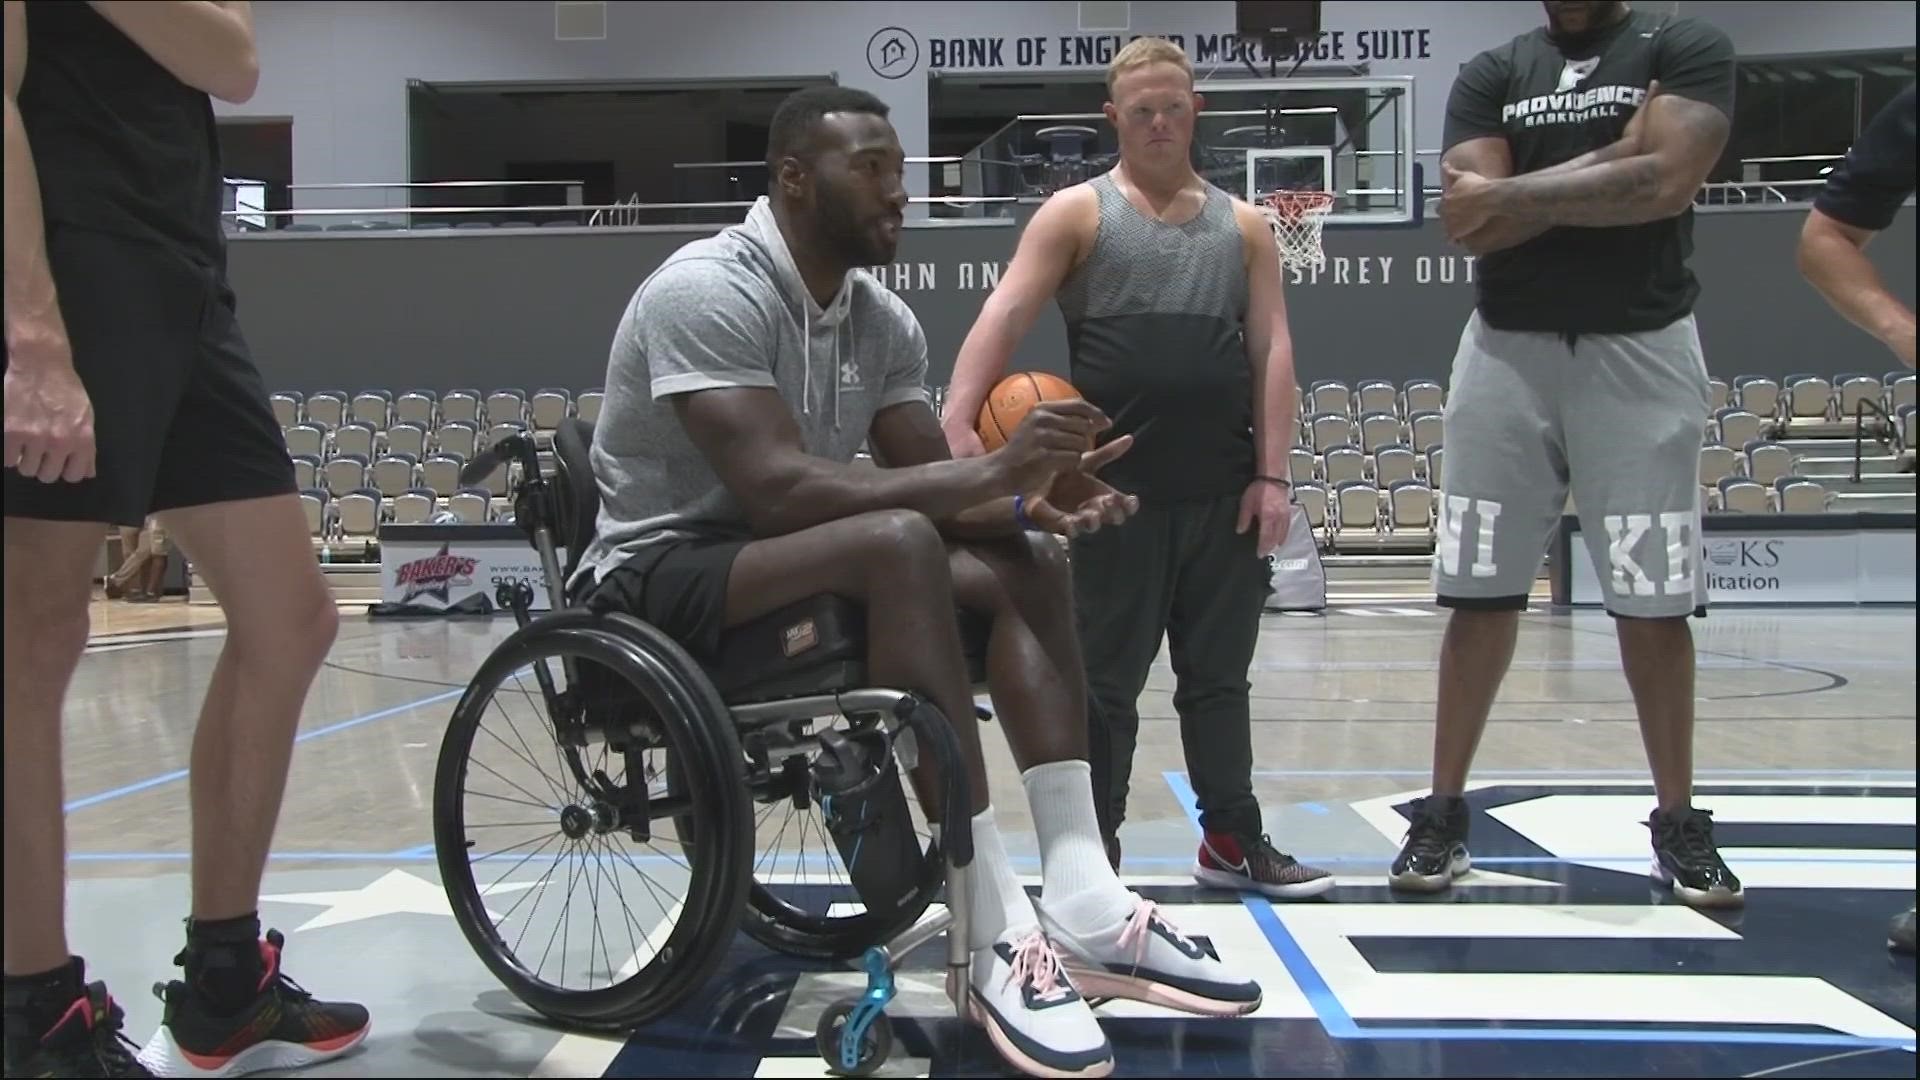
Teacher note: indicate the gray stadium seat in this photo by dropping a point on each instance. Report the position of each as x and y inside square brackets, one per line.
[354, 437]
[1717, 460]
[1434, 454]
[1852, 390]
[1797, 495]
[394, 474]
[1342, 463]
[1758, 395]
[441, 473]
[459, 437]
[416, 407]
[1380, 429]
[314, 502]
[1808, 397]
[373, 408]
[343, 473]
[1301, 464]
[414, 507]
[1737, 426]
[1356, 515]
[1312, 497]
[306, 440]
[286, 408]
[1767, 461]
[306, 471]
[1719, 395]
[1900, 390]
[1377, 395]
[1330, 396]
[473, 506]
[1739, 495]
[358, 513]
[550, 406]
[1326, 430]
[588, 406]
[407, 438]
[461, 405]
[1392, 464]
[507, 405]
[1422, 395]
[1427, 428]
[327, 408]
[1412, 506]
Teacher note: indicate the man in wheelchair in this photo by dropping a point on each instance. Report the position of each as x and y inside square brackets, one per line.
[745, 375]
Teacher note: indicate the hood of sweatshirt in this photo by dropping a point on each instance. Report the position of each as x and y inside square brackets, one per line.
[762, 231]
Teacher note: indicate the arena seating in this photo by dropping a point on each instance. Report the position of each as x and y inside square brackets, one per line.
[1366, 460]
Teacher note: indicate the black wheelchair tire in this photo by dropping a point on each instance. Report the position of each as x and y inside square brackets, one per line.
[699, 730]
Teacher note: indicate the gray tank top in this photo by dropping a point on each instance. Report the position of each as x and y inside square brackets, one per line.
[1156, 320]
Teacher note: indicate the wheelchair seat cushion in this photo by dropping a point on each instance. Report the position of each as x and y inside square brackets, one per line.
[814, 646]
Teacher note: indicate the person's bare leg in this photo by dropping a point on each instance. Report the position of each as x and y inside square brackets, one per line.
[1474, 657]
[258, 561]
[1658, 657]
[49, 574]
[1034, 668]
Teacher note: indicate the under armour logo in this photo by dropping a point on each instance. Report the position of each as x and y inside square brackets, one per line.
[1574, 73]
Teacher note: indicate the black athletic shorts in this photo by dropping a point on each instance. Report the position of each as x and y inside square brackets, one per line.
[679, 586]
[180, 415]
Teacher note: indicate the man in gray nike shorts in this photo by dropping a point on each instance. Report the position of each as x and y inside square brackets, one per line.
[1525, 407]
[1572, 156]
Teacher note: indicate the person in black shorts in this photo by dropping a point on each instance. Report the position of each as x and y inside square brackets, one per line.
[744, 377]
[129, 392]
[1860, 199]
[1572, 157]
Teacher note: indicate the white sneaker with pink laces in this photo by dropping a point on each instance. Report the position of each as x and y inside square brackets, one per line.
[1144, 958]
[1036, 1019]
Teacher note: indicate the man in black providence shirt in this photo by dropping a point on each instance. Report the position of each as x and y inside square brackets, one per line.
[1861, 197]
[1572, 155]
[129, 392]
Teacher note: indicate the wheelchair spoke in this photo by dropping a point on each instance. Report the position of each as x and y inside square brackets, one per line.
[516, 802]
[558, 793]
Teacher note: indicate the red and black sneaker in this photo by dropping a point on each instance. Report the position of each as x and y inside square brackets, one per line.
[1228, 861]
[85, 1041]
[284, 1027]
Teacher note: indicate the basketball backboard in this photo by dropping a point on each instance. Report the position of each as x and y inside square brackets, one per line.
[1352, 137]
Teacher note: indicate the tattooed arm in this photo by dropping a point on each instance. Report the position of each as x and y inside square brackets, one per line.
[1683, 140]
[1491, 158]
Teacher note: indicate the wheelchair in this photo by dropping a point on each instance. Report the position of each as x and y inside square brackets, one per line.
[784, 716]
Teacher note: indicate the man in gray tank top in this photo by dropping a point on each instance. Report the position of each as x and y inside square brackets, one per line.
[1177, 331]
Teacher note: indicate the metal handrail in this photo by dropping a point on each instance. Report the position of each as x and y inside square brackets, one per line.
[1860, 412]
[596, 210]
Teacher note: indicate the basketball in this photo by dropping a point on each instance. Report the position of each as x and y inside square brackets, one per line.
[1013, 398]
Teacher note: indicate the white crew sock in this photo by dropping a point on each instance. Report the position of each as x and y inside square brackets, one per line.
[999, 903]
[1078, 886]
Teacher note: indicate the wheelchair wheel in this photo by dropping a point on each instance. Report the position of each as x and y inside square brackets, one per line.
[802, 901]
[633, 841]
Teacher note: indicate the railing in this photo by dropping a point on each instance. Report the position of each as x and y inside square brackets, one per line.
[1860, 412]
[629, 212]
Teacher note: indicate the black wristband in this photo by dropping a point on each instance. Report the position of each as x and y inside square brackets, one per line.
[1281, 480]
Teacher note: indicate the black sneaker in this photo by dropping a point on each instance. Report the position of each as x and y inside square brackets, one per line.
[1435, 851]
[86, 1041]
[284, 1028]
[1900, 933]
[1684, 858]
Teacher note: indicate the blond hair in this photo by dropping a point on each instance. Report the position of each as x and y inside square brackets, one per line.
[1140, 52]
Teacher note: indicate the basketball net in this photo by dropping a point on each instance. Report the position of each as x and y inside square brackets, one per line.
[1296, 218]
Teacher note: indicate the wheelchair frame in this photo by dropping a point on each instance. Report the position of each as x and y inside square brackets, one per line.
[854, 1034]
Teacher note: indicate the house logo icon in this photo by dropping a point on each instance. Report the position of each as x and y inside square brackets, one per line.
[892, 52]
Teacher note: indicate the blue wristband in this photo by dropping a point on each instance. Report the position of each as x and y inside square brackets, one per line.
[1020, 517]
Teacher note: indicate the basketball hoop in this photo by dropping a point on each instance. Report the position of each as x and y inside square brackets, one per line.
[1296, 218]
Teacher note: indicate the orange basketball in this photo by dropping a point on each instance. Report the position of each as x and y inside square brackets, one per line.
[1013, 398]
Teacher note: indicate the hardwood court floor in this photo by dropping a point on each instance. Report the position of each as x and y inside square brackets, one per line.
[1554, 957]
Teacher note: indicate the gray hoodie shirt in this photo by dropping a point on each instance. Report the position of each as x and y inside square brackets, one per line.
[731, 310]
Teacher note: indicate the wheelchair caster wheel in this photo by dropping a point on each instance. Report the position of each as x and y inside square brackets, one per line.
[854, 1037]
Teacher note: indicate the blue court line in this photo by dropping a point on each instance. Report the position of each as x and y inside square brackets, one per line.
[1338, 1024]
[181, 774]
